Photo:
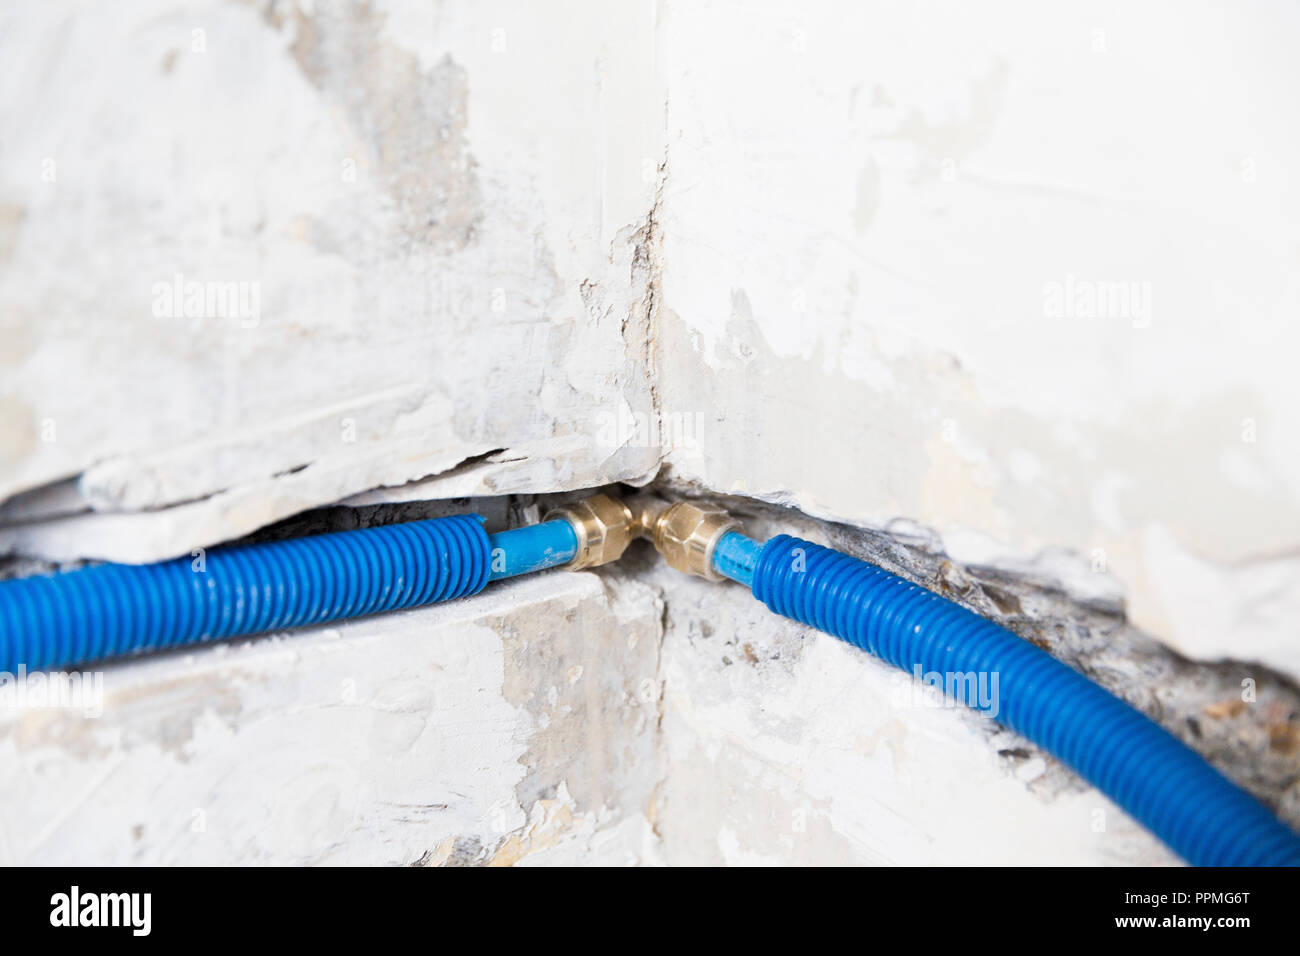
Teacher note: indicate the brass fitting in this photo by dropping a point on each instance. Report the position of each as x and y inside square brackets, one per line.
[646, 509]
[686, 533]
[604, 526]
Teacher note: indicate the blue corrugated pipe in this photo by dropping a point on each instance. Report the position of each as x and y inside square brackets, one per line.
[1155, 778]
[110, 610]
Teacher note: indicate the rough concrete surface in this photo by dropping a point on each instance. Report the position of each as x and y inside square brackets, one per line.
[973, 291]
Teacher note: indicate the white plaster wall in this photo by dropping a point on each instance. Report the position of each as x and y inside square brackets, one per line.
[865, 210]
[470, 262]
[799, 252]
[444, 210]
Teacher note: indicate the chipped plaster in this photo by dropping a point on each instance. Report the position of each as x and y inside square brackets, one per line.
[826, 250]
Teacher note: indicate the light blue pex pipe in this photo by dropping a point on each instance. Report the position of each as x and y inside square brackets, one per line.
[1153, 776]
[110, 610]
[532, 548]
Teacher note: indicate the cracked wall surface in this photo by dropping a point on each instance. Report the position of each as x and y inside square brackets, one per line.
[787, 746]
[891, 240]
[968, 291]
[444, 296]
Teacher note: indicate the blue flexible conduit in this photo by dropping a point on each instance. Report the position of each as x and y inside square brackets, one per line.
[109, 610]
[114, 609]
[1149, 773]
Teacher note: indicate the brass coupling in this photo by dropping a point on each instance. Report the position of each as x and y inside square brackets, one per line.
[684, 532]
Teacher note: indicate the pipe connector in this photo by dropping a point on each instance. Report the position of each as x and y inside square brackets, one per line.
[686, 534]
[604, 525]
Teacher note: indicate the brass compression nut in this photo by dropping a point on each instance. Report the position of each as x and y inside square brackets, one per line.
[604, 526]
[686, 534]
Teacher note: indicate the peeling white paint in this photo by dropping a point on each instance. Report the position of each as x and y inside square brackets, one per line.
[868, 207]
[438, 279]
[843, 242]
